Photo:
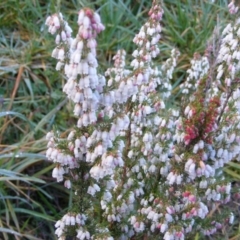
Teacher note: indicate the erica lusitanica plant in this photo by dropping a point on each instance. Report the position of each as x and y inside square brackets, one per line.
[140, 166]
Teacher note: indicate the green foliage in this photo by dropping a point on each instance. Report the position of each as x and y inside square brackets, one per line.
[28, 110]
[189, 28]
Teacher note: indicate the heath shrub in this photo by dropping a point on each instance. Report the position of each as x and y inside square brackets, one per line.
[141, 166]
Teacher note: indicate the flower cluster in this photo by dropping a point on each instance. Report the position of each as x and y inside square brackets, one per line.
[72, 220]
[140, 165]
[233, 9]
[59, 27]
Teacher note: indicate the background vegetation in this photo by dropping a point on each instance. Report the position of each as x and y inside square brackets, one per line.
[31, 98]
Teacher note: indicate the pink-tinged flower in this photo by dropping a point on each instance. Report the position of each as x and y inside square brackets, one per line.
[179, 235]
[233, 9]
[170, 210]
[67, 184]
[56, 21]
[192, 198]
[186, 194]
